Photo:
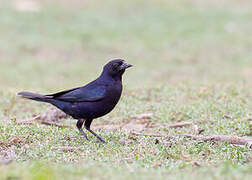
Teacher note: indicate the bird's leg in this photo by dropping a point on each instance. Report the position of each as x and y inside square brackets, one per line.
[79, 126]
[87, 126]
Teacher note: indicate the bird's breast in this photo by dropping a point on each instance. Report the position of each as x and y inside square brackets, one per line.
[100, 108]
[114, 92]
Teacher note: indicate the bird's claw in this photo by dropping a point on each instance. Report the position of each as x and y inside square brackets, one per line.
[101, 140]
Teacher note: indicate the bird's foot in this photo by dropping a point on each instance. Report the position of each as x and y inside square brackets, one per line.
[84, 134]
[86, 138]
[96, 135]
[101, 140]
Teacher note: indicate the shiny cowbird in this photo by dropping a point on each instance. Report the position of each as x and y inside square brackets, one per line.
[91, 101]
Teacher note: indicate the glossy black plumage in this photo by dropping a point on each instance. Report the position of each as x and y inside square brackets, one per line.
[91, 101]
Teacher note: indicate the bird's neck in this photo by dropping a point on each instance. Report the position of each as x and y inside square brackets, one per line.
[108, 78]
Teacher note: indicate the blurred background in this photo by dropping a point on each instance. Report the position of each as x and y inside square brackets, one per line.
[52, 45]
[49, 45]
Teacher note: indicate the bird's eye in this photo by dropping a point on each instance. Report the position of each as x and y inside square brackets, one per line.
[117, 64]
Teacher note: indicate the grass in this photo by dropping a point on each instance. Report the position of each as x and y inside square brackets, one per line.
[192, 62]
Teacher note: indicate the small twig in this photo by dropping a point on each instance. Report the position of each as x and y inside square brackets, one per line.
[197, 130]
[227, 116]
[151, 135]
[182, 124]
[28, 120]
[67, 148]
[223, 138]
[143, 116]
[55, 124]
[45, 123]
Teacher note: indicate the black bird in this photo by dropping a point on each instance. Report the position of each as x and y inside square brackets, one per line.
[91, 101]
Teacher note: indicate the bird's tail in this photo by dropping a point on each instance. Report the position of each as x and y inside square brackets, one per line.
[34, 96]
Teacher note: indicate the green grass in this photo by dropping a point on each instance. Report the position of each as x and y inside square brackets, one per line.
[192, 62]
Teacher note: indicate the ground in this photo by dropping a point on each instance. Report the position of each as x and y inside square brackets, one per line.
[192, 63]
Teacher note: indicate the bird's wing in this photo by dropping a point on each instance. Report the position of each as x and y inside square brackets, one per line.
[89, 93]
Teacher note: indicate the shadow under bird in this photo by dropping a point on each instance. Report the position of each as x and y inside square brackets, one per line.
[91, 101]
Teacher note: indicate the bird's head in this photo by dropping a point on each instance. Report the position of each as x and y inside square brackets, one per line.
[115, 68]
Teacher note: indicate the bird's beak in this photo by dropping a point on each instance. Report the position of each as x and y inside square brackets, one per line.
[125, 65]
